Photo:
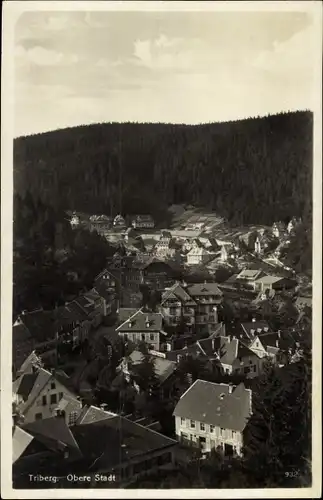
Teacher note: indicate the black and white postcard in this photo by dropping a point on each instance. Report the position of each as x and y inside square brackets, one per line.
[161, 249]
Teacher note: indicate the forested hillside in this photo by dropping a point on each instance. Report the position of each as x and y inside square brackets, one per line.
[250, 171]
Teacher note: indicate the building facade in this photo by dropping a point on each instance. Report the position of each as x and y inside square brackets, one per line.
[213, 416]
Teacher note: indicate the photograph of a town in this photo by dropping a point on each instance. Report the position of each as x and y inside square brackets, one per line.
[162, 249]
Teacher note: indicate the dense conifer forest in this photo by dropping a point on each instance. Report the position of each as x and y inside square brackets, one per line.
[251, 171]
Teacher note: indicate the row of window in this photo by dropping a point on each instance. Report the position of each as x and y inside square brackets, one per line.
[206, 427]
[143, 336]
[247, 369]
[53, 398]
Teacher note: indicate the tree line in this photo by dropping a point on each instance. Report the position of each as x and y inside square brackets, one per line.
[52, 263]
[251, 171]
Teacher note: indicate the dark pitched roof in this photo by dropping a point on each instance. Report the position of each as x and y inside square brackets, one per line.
[53, 428]
[41, 324]
[104, 292]
[116, 440]
[137, 322]
[26, 385]
[213, 404]
[77, 310]
[20, 333]
[125, 313]
[204, 289]
[276, 340]
[259, 326]
[180, 293]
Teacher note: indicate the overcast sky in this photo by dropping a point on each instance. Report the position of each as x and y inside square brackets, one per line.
[75, 68]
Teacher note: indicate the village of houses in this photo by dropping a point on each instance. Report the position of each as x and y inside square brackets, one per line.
[54, 418]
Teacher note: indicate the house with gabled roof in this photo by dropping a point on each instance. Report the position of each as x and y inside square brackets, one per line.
[143, 222]
[114, 447]
[198, 254]
[274, 283]
[248, 277]
[164, 370]
[213, 416]
[143, 327]
[177, 305]
[39, 392]
[193, 305]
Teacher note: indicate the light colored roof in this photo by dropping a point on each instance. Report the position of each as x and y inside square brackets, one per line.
[212, 403]
[249, 274]
[163, 367]
[198, 251]
[185, 233]
[29, 362]
[179, 292]
[69, 404]
[204, 289]
[268, 280]
[303, 301]
[91, 414]
[137, 322]
[20, 440]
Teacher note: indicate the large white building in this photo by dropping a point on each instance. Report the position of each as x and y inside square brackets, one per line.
[212, 416]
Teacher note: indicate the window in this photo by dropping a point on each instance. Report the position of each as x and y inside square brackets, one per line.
[53, 399]
[38, 416]
[72, 418]
[254, 368]
[192, 424]
[152, 336]
[246, 369]
[44, 400]
[125, 336]
[52, 385]
[143, 337]
[221, 431]
[183, 421]
[202, 427]
[184, 437]
[211, 428]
